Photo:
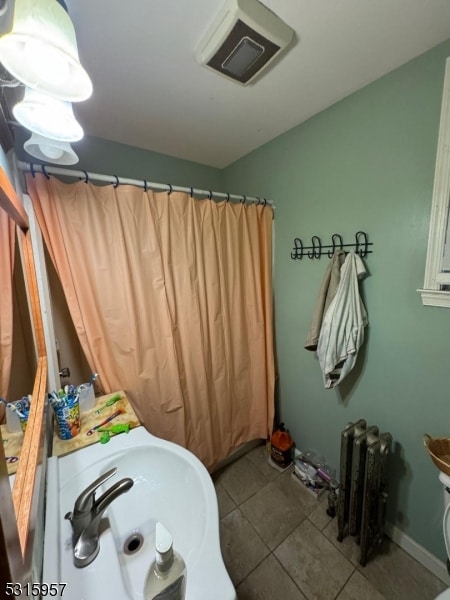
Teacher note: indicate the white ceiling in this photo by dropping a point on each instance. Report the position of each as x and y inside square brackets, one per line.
[150, 92]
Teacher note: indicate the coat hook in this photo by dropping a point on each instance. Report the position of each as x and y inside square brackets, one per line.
[298, 249]
[316, 250]
[337, 245]
[361, 246]
[316, 247]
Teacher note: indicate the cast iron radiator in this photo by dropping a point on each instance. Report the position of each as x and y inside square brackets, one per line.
[363, 485]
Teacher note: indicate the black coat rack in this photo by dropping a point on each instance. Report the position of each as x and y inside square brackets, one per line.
[316, 250]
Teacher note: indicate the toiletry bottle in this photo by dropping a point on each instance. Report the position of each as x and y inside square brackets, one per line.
[166, 579]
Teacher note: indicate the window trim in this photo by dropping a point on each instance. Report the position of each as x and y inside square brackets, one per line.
[431, 293]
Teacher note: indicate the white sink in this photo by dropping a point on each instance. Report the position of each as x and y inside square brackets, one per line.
[170, 486]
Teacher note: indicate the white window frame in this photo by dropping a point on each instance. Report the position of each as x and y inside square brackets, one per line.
[432, 294]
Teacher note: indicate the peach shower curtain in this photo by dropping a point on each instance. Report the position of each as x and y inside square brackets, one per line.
[171, 298]
[7, 243]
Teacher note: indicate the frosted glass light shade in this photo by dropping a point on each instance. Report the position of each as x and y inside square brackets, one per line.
[53, 151]
[48, 116]
[41, 51]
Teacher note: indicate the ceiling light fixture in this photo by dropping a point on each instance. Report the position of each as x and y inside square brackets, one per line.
[6, 15]
[53, 151]
[48, 116]
[41, 50]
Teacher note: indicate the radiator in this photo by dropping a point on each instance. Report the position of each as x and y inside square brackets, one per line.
[363, 485]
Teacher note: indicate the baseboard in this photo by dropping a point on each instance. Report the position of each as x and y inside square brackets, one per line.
[425, 558]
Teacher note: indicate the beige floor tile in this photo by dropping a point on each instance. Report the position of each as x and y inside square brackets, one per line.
[241, 479]
[273, 513]
[260, 458]
[319, 515]
[398, 576]
[224, 500]
[269, 581]
[242, 548]
[349, 548]
[316, 566]
[295, 489]
[358, 588]
[322, 567]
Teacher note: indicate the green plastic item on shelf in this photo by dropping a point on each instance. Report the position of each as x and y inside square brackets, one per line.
[109, 402]
[104, 437]
[107, 432]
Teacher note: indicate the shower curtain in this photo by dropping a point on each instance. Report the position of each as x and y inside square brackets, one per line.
[7, 240]
[171, 298]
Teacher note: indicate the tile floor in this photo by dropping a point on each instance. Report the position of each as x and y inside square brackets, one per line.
[278, 543]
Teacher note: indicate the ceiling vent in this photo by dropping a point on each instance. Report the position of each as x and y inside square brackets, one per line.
[243, 40]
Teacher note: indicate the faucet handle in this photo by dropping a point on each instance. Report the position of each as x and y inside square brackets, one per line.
[85, 501]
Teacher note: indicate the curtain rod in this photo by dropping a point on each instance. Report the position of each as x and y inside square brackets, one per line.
[113, 179]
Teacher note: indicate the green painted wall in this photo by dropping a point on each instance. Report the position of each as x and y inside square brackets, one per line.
[365, 163]
[102, 156]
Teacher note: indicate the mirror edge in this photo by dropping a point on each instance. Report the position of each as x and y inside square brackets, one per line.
[24, 482]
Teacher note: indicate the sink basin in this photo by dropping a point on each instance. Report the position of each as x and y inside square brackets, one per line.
[170, 486]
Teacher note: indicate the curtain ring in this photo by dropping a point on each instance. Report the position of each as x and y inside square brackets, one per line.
[32, 171]
[44, 170]
[265, 202]
[209, 195]
[258, 201]
[169, 191]
[244, 199]
[86, 178]
[145, 185]
[115, 185]
[228, 196]
[192, 192]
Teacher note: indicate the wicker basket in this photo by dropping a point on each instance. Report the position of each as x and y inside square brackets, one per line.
[439, 450]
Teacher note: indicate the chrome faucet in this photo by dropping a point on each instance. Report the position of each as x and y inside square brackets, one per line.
[87, 514]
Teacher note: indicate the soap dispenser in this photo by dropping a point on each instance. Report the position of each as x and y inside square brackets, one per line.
[166, 579]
